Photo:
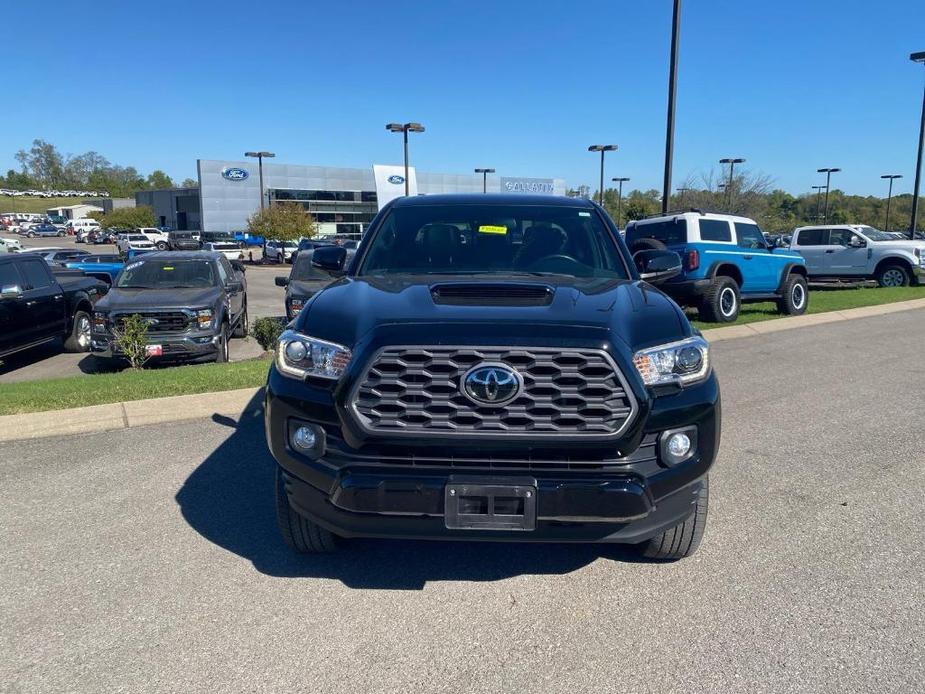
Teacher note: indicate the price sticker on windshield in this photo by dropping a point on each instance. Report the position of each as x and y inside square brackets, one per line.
[492, 229]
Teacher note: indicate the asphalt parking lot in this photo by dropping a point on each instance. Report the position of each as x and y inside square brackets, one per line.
[263, 296]
[148, 560]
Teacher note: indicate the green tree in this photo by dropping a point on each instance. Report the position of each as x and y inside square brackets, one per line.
[158, 180]
[43, 162]
[283, 221]
[126, 218]
[189, 183]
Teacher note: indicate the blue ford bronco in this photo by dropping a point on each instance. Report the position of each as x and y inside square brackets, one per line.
[726, 261]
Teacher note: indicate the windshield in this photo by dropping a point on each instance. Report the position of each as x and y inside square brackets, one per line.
[876, 234]
[167, 274]
[493, 239]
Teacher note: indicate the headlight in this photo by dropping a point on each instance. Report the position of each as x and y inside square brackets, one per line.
[99, 321]
[680, 363]
[204, 318]
[298, 356]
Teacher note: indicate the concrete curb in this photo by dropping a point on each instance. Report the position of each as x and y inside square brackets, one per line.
[122, 415]
[734, 332]
[233, 403]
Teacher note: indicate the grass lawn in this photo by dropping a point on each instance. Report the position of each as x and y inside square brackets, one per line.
[820, 301]
[41, 205]
[99, 389]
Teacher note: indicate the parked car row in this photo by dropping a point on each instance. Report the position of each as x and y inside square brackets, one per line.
[32, 193]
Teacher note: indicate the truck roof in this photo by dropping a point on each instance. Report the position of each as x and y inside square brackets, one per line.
[491, 199]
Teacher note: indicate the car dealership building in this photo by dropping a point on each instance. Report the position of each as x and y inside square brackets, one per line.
[342, 201]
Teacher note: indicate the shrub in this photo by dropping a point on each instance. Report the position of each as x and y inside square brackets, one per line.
[132, 338]
[266, 331]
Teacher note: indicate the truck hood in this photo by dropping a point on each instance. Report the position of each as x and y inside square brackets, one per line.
[630, 311]
[908, 245]
[155, 299]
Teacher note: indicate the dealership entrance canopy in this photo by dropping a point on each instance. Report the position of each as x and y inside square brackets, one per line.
[342, 201]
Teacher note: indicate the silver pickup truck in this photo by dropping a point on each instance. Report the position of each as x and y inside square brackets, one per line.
[857, 251]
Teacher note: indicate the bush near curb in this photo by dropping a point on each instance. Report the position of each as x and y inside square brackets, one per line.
[267, 331]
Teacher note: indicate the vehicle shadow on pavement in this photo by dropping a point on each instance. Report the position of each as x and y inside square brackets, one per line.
[229, 500]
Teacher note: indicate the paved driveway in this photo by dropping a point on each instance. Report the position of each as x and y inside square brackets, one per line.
[148, 560]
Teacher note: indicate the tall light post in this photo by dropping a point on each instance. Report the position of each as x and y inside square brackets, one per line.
[818, 190]
[672, 93]
[405, 128]
[828, 182]
[732, 165]
[260, 156]
[918, 58]
[484, 173]
[602, 149]
[619, 181]
[889, 196]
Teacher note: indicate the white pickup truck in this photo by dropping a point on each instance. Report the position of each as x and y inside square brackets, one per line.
[160, 239]
[857, 251]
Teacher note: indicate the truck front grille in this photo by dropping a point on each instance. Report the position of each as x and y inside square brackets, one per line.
[417, 390]
[158, 321]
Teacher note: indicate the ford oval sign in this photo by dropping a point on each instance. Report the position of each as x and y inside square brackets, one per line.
[396, 179]
[233, 173]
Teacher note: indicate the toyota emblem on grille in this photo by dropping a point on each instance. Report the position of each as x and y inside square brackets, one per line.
[491, 384]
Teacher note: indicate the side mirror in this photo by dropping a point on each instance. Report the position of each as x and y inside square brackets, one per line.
[10, 291]
[239, 266]
[856, 242]
[282, 281]
[656, 267]
[330, 259]
[234, 286]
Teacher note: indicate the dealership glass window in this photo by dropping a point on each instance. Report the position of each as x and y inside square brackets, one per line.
[715, 230]
[813, 237]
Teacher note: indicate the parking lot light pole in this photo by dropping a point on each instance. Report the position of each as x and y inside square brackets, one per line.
[619, 181]
[260, 156]
[602, 149]
[828, 182]
[672, 94]
[732, 165]
[918, 58]
[818, 190]
[405, 128]
[484, 173]
[889, 196]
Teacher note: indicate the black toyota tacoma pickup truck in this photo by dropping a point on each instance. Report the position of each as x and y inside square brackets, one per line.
[39, 305]
[191, 301]
[493, 368]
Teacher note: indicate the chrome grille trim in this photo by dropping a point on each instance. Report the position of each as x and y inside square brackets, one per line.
[574, 393]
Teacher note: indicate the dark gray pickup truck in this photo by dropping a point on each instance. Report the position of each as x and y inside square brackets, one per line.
[191, 301]
[39, 305]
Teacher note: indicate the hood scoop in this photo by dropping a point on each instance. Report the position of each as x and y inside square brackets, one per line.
[492, 294]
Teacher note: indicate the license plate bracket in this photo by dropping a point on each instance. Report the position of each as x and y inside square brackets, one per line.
[479, 503]
[154, 350]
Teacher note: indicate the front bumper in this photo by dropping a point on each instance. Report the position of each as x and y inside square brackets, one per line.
[398, 490]
[173, 347]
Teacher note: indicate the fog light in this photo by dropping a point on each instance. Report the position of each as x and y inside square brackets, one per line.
[304, 438]
[679, 445]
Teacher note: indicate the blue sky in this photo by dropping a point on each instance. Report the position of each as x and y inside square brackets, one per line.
[523, 87]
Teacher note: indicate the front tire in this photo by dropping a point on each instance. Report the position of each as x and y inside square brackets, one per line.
[795, 298]
[161, 246]
[720, 303]
[79, 338]
[682, 540]
[893, 276]
[300, 534]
